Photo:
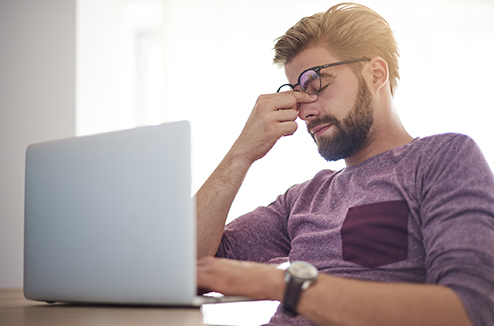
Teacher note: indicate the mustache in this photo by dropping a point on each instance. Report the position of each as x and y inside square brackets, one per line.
[326, 119]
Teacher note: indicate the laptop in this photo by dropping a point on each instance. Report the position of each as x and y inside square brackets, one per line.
[109, 219]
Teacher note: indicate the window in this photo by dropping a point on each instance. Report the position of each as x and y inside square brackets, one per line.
[119, 65]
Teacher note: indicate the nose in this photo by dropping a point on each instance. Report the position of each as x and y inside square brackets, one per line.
[308, 110]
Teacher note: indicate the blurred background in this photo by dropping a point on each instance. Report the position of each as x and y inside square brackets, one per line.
[145, 62]
[80, 67]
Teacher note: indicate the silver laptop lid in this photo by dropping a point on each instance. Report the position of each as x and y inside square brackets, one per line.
[109, 218]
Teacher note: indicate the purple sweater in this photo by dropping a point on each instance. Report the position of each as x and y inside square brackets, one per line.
[419, 213]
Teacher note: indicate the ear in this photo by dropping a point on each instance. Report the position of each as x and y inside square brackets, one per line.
[379, 73]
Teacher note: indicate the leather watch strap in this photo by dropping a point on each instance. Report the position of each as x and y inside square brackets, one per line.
[292, 296]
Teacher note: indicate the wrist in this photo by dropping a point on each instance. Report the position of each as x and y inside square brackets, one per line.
[276, 285]
[271, 285]
[249, 151]
[298, 278]
[238, 161]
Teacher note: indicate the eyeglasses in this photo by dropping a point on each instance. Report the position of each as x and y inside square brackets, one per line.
[310, 80]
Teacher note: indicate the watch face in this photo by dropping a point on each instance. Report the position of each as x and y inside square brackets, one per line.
[303, 270]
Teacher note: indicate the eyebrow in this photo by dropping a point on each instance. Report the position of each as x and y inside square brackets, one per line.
[325, 74]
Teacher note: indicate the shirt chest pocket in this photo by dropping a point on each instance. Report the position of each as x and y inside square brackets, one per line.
[376, 234]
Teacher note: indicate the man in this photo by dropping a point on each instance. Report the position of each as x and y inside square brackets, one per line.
[402, 236]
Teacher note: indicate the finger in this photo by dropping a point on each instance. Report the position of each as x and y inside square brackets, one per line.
[275, 102]
[284, 100]
[286, 115]
[303, 97]
[291, 100]
[289, 128]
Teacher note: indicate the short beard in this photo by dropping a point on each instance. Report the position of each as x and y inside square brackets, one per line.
[352, 132]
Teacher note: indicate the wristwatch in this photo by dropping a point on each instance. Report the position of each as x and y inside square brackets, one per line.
[298, 277]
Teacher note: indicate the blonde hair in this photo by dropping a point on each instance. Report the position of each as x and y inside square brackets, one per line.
[349, 31]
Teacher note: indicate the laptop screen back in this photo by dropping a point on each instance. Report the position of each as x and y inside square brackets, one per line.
[109, 218]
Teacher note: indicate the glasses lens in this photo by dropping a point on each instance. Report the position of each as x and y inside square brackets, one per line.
[310, 82]
[285, 88]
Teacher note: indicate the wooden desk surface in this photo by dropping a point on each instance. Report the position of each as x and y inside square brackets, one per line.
[15, 310]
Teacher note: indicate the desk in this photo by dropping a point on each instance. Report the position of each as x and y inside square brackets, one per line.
[15, 310]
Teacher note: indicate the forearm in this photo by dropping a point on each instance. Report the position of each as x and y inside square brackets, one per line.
[272, 117]
[214, 199]
[338, 301]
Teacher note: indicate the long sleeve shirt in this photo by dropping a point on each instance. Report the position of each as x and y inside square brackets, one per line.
[419, 213]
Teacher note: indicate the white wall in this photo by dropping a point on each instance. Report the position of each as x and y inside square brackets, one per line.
[37, 103]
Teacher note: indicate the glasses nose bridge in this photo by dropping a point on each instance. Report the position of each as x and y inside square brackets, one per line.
[297, 87]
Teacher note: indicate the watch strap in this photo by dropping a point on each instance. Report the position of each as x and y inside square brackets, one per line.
[292, 296]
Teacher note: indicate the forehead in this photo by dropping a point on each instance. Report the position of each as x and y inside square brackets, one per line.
[315, 56]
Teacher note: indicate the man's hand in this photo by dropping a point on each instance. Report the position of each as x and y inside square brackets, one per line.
[332, 300]
[273, 117]
[231, 277]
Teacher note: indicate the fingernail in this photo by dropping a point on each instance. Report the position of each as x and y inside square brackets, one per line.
[313, 96]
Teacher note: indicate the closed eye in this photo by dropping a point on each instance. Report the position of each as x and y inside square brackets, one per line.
[323, 88]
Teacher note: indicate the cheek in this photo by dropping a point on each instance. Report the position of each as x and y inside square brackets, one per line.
[345, 87]
[338, 101]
